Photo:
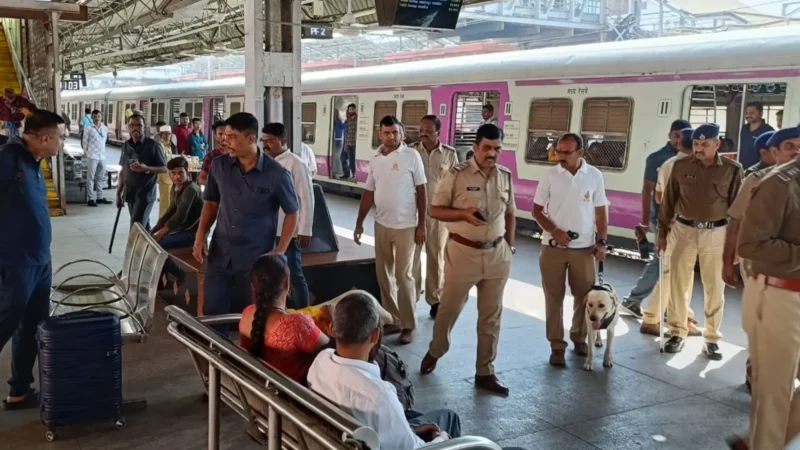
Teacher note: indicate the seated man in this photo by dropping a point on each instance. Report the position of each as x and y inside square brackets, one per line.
[177, 227]
[349, 378]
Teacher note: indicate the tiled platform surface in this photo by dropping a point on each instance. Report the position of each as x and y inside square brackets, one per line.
[647, 400]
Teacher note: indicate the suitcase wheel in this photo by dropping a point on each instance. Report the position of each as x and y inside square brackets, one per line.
[120, 423]
[51, 435]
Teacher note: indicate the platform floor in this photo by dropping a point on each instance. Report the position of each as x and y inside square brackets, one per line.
[647, 400]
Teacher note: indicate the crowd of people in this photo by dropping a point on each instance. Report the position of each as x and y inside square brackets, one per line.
[259, 201]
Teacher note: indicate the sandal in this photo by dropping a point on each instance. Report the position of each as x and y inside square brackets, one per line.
[30, 401]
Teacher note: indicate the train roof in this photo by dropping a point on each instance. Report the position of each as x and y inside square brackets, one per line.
[774, 47]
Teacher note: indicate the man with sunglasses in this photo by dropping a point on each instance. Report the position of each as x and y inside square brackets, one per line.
[25, 236]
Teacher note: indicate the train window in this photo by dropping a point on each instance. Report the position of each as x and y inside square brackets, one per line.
[467, 118]
[549, 118]
[309, 122]
[198, 111]
[110, 118]
[236, 108]
[726, 105]
[606, 130]
[413, 112]
[382, 109]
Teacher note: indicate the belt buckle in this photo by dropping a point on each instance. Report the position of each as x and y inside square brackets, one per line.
[486, 245]
[703, 225]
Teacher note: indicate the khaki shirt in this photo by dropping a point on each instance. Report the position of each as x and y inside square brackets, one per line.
[739, 206]
[696, 192]
[436, 163]
[770, 236]
[166, 151]
[466, 186]
[664, 172]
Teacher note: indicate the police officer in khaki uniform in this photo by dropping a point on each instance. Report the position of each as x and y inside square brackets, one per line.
[694, 216]
[770, 241]
[438, 159]
[476, 201]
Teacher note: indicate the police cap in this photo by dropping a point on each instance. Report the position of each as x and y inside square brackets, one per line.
[686, 137]
[782, 135]
[763, 139]
[706, 131]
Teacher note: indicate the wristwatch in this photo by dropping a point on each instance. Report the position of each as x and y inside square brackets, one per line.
[602, 242]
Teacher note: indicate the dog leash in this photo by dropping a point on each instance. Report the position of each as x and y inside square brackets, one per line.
[600, 274]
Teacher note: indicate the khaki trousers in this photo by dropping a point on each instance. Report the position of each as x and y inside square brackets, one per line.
[770, 316]
[560, 266]
[164, 198]
[464, 268]
[434, 252]
[394, 256]
[652, 315]
[687, 245]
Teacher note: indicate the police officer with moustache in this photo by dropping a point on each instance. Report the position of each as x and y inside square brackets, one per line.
[437, 159]
[476, 201]
[694, 216]
[770, 242]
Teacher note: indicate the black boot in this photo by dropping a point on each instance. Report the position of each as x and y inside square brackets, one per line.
[674, 344]
[712, 351]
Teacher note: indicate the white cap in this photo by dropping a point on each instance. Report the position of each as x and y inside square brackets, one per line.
[165, 129]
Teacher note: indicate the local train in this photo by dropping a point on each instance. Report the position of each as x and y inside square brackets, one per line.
[620, 96]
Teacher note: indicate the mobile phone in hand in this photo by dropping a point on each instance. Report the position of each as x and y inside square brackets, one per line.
[479, 215]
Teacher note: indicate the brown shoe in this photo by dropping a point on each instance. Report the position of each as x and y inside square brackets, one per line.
[737, 443]
[428, 364]
[650, 328]
[582, 349]
[491, 383]
[406, 337]
[557, 358]
[693, 331]
[389, 330]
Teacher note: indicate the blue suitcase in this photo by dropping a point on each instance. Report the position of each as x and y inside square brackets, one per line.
[80, 370]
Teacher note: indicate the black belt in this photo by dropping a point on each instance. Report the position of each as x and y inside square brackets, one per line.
[480, 245]
[702, 225]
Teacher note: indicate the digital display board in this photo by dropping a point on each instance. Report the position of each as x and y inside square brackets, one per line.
[316, 31]
[73, 81]
[440, 14]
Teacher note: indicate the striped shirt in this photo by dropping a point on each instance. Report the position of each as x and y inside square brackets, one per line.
[94, 141]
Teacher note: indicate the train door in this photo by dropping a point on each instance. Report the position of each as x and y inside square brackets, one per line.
[338, 133]
[193, 107]
[143, 105]
[217, 114]
[727, 105]
[159, 111]
[233, 105]
[467, 119]
[174, 111]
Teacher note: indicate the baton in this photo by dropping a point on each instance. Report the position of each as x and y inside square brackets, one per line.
[116, 222]
[661, 288]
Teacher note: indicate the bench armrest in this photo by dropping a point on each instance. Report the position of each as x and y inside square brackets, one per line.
[465, 443]
[222, 319]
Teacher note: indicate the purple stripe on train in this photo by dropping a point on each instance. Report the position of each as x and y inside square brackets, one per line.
[625, 210]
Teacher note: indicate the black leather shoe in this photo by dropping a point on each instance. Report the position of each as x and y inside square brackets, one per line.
[712, 351]
[91, 203]
[103, 201]
[674, 345]
[434, 310]
[491, 383]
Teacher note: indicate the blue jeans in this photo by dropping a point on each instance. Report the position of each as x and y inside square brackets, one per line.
[177, 239]
[225, 291]
[349, 161]
[447, 420]
[12, 127]
[647, 281]
[298, 297]
[139, 206]
[24, 303]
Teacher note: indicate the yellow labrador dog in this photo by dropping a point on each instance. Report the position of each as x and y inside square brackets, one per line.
[602, 313]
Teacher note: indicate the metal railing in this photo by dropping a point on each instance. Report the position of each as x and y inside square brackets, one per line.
[284, 398]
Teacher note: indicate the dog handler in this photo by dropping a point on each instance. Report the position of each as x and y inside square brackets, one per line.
[770, 241]
[570, 204]
[694, 214]
[476, 201]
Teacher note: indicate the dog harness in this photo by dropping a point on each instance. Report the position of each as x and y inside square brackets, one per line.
[610, 317]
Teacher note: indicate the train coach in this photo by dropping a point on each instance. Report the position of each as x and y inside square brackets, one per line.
[620, 96]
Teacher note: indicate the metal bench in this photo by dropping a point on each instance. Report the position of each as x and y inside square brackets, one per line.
[131, 294]
[281, 413]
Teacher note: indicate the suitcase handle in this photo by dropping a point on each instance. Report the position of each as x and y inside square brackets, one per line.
[79, 315]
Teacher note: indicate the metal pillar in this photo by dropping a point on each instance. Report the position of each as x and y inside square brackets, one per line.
[214, 387]
[57, 163]
[272, 63]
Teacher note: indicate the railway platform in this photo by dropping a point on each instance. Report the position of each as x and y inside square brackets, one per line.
[647, 400]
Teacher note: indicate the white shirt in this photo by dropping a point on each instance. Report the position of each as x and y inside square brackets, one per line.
[357, 388]
[306, 154]
[394, 179]
[305, 193]
[94, 141]
[569, 201]
[664, 172]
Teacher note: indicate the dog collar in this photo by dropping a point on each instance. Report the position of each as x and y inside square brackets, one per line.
[610, 318]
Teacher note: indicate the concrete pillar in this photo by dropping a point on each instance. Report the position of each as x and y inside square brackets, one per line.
[272, 63]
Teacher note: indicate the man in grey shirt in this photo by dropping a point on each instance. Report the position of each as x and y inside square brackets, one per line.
[141, 162]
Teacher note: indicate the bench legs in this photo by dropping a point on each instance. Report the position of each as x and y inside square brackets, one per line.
[214, 384]
[274, 436]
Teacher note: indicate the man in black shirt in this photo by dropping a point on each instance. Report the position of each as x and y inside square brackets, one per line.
[755, 127]
[141, 162]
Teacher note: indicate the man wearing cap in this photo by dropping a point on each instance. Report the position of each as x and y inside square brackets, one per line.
[770, 241]
[651, 320]
[694, 216]
[766, 158]
[781, 147]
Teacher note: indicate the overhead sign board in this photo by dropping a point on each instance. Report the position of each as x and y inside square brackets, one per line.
[73, 82]
[316, 31]
[440, 14]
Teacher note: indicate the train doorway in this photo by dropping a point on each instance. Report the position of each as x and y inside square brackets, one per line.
[336, 147]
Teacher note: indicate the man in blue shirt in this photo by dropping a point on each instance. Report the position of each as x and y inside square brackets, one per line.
[85, 122]
[649, 278]
[755, 127]
[25, 235]
[243, 195]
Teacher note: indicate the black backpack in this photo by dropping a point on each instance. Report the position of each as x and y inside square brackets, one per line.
[395, 371]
